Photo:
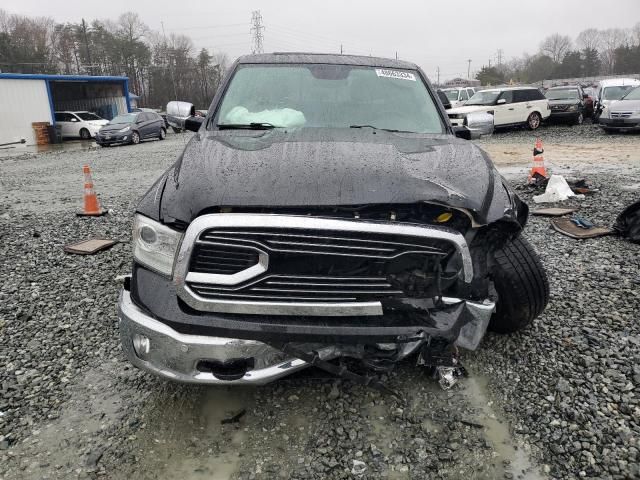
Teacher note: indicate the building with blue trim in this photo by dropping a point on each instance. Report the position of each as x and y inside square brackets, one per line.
[25, 99]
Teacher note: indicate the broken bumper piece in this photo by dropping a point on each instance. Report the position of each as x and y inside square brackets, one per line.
[159, 349]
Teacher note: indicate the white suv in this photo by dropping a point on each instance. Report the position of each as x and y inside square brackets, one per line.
[79, 124]
[458, 96]
[509, 106]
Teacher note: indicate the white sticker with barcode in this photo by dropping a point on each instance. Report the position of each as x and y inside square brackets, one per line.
[383, 72]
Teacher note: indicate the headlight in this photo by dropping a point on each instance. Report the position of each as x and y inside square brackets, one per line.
[154, 245]
[125, 129]
[573, 108]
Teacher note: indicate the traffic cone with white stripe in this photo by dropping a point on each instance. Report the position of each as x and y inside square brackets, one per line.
[538, 162]
[92, 206]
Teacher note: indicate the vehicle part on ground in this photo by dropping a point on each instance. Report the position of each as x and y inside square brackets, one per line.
[576, 229]
[521, 284]
[628, 223]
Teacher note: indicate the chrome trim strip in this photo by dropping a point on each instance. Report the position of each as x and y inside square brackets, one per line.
[233, 279]
[204, 222]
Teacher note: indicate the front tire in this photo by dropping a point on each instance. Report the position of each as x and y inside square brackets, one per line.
[135, 138]
[579, 119]
[85, 134]
[534, 121]
[522, 286]
[163, 134]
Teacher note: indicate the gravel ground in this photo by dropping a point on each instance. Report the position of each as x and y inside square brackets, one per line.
[558, 400]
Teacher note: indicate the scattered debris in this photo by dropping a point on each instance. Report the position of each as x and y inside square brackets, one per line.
[554, 211]
[89, 247]
[557, 190]
[581, 187]
[443, 363]
[571, 228]
[628, 223]
[235, 418]
[359, 467]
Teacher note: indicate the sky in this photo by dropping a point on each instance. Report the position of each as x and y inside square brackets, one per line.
[433, 34]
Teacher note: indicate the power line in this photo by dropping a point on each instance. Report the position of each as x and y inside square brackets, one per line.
[256, 30]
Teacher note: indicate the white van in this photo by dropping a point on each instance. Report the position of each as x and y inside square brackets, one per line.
[458, 96]
[610, 90]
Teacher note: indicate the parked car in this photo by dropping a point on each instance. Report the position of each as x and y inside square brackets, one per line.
[81, 124]
[446, 103]
[511, 106]
[567, 103]
[458, 96]
[610, 90]
[623, 115]
[132, 128]
[324, 209]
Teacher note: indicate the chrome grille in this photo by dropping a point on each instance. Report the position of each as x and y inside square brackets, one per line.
[296, 265]
[621, 114]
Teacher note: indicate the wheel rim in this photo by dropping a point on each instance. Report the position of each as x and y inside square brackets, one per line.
[162, 134]
[534, 121]
[84, 134]
[580, 119]
[135, 138]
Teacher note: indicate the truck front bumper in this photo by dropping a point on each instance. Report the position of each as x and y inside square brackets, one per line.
[157, 348]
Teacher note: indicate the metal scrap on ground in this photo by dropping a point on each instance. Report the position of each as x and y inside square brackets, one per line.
[89, 247]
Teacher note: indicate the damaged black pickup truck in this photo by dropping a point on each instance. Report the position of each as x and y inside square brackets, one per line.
[325, 210]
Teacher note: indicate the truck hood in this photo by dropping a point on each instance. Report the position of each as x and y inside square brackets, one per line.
[324, 167]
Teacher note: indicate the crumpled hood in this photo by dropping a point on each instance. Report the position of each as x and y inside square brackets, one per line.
[326, 168]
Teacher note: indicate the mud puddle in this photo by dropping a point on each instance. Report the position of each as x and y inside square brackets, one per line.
[496, 430]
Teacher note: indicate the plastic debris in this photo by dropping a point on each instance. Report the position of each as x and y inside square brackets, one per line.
[89, 247]
[553, 212]
[359, 467]
[570, 228]
[558, 190]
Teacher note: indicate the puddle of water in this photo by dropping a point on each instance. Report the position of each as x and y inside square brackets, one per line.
[497, 431]
[222, 459]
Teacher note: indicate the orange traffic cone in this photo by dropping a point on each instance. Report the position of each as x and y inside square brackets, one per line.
[91, 204]
[538, 162]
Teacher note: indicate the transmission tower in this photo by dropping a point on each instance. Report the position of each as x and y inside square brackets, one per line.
[256, 31]
[499, 55]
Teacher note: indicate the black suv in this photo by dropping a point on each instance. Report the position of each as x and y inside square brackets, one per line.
[567, 103]
[325, 208]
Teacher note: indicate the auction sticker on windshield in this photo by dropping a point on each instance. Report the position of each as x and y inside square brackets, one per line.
[383, 72]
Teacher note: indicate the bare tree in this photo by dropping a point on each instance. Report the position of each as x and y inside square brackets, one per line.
[611, 39]
[556, 46]
[589, 39]
[635, 31]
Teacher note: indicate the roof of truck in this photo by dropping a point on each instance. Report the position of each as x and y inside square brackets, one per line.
[325, 58]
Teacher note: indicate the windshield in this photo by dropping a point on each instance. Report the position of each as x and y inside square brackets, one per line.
[451, 94]
[88, 116]
[126, 118]
[487, 97]
[633, 94]
[616, 93]
[563, 94]
[329, 96]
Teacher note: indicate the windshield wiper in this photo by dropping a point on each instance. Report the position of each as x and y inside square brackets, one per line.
[393, 130]
[247, 126]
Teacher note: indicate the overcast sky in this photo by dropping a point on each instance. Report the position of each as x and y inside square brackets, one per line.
[433, 34]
